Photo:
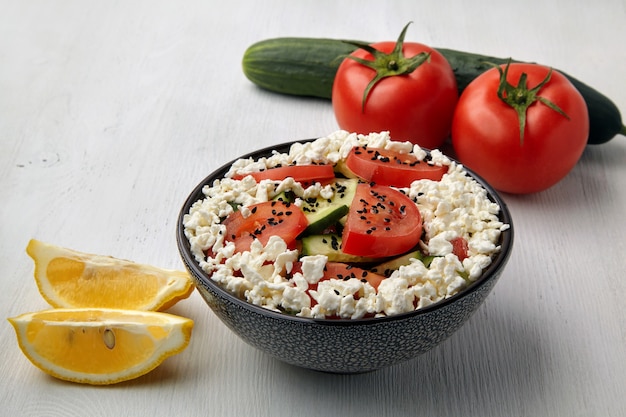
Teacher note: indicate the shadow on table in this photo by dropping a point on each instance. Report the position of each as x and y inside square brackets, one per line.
[494, 365]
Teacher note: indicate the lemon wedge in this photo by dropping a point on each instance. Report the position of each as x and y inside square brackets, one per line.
[70, 279]
[100, 346]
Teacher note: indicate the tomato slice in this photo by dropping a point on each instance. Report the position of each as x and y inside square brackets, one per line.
[381, 222]
[343, 271]
[300, 173]
[389, 167]
[339, 270]
[460, 247]
[271, 218]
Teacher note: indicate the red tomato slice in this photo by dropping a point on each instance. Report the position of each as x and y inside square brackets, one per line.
[343, 271]
[388, 167]
[339, 270]
[460, 248]
[300, 173]
[381, 222]
[272, 218]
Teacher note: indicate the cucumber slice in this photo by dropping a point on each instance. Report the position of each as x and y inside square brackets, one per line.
[330, 246]
[387, 268]
[322, 213]
[286, 196]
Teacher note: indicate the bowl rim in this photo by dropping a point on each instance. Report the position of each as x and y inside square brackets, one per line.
[184, 247]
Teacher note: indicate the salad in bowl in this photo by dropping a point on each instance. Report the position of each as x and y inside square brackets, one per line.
[346, 226]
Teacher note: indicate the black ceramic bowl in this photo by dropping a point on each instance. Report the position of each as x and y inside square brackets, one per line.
[342, 346]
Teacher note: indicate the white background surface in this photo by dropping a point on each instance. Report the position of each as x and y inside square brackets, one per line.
[111, 112]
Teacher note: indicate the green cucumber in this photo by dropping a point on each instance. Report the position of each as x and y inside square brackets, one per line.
[322, 213]
[307, 67]
[388, 267]
[295, 66]
[329, 245]
[286, 196]
[324, 218]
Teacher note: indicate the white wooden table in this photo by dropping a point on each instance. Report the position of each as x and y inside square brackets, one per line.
[111, 112]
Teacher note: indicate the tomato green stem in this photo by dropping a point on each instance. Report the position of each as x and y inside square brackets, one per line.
[520, 98]
[388, 64]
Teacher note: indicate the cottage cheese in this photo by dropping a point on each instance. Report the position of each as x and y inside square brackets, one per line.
[456, 206]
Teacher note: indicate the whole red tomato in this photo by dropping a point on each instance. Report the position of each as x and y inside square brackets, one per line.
[416, 105]
[526, 151]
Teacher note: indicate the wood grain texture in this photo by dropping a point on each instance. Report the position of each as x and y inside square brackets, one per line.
[111, 112]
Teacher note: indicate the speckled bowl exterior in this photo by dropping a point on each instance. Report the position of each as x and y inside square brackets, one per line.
[342, 346]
